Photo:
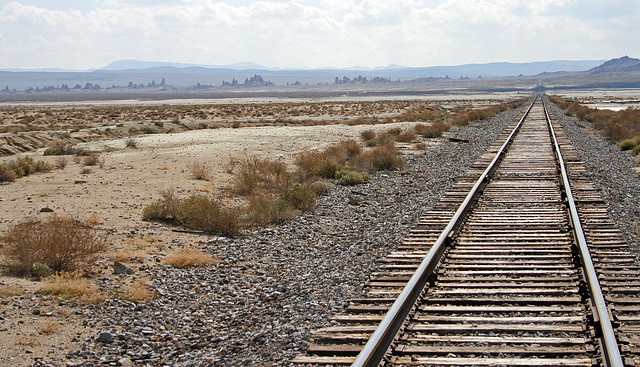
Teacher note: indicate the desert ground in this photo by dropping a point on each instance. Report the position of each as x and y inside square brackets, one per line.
[132, 170]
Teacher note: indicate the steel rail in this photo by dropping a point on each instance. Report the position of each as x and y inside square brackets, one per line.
[612, 352]
[384, 335]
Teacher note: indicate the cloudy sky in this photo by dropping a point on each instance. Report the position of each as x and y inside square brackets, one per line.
[84, 34]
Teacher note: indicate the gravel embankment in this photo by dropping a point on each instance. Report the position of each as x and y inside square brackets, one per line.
[612, 171]
[275, 285]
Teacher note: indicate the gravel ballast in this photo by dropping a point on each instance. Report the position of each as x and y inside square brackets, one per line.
[611, 170]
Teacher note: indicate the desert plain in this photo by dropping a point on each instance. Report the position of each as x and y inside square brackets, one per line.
[144, 148]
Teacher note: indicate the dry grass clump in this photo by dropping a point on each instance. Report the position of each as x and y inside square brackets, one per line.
[21, 167]
[196, 212]
[60, 243]
[8, 291]
[69, 284]
[189, 257]
[135, 248]
[91, 160]
[137, 292]
[199, 170]
[61, 162]
[48, 327]
[93, 219]
[27, 340]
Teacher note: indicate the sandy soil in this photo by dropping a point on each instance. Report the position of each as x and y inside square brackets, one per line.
[112, 197]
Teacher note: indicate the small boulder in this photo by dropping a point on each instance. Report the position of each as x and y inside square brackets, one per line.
[105, 337]
[120, 268]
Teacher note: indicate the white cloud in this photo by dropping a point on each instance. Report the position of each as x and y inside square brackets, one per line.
[318, 33]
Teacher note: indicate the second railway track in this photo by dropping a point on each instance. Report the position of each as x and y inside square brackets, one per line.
[511, 288]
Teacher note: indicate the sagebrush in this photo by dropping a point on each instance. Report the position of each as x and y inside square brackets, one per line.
[61, 243]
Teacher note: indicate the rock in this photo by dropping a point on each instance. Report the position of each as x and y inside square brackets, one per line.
[120, 268]
[105, 337]
[125, 362]
[46, 209]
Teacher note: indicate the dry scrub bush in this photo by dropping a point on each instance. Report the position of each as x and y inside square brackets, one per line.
[300, 197]
[627, 144]
[60, 149]
[62, 243]
[197, 212]
[248, 176]
[380, 158]
[433, 130]
[189, 257]
[362, 120]
[263, 210]
[199, 170]
[61, 162]
[406, 136]
[21, 167]
[327, 163]
[201, 213]
[230, 165]
[91, 160]
[260, 176]
[131, 143]
[351, 178]
[367, 135]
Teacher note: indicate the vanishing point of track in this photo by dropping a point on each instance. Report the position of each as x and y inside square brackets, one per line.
[518, 265]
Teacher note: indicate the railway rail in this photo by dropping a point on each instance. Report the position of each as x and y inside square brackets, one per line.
[518, 265]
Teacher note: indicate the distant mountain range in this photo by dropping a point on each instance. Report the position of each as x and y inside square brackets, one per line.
[136, 74]
[495, 69]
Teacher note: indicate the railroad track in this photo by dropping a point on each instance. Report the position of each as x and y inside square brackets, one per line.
[518, 265]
